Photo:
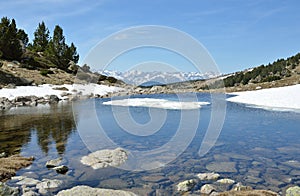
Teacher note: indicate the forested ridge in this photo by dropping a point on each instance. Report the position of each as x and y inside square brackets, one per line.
[279, 69]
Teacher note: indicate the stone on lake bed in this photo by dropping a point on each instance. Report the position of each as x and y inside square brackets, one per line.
[49, 184]
[186, 185]
[28, 181]
[293, 191]
[89, 191]
[208, 176]
[207, 189]
[105, 158]
[61, 169]
[226, 167]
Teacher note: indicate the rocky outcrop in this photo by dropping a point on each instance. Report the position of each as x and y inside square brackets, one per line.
[105, 158]
[89, 191]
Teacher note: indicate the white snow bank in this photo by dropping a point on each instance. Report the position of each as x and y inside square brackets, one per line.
[157, 103]
[48, 89]
[283, 98]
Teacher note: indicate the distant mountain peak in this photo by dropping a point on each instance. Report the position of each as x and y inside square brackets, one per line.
[137, 77]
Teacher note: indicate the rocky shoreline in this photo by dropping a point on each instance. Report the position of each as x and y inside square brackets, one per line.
[207, 184]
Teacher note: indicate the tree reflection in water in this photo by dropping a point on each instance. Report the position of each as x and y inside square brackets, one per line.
[53, 123]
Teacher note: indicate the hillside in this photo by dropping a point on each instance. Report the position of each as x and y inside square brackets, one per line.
[283, 72]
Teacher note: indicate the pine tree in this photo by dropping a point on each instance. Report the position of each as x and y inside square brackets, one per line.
[56, 47]
[41, 38]
[59, 52]
[23, 37]
[10, 46]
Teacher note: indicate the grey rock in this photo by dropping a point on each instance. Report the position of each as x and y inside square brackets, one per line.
[105, 158]
[11, 86]
[53, 99]
[28, 181]
[226, 181]
[3, 154]
[53, 162]
[89, 191]
[240, 187]
[61, 169]
[23, 99]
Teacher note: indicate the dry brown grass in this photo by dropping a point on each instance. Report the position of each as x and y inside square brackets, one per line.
[9, 165]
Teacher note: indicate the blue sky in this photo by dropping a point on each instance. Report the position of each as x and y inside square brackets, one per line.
[237, 33]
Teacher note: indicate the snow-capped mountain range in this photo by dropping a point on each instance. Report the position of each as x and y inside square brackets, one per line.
[149, 78]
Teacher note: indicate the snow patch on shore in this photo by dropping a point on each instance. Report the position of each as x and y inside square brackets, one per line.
[282, 98]
[157, 103]
[48, 89]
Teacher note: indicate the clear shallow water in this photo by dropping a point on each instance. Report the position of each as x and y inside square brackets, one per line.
[257, 147]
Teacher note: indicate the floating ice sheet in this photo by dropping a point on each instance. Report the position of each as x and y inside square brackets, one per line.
[157, 103]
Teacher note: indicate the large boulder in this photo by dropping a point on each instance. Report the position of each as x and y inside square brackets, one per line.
[105, 158]
[89, 191]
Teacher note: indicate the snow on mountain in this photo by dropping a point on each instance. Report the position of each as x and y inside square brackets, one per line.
[149, 78]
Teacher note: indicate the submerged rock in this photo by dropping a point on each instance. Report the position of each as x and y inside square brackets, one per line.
[208, 176]
[186, 185]
[240, 187]
[89, 191]
[226, 167]
[293, 191]
[105, 158]
[226, 181]
[49, 184]
[28, 181]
